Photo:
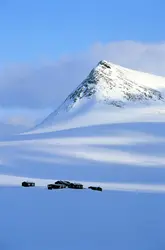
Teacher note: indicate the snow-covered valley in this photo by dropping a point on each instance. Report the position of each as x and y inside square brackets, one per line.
[96, 142]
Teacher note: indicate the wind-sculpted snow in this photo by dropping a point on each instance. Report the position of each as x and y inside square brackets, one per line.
[95, 142]
[97, 153]
[126, 159]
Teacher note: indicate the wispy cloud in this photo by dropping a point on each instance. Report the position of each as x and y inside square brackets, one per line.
[46, 85]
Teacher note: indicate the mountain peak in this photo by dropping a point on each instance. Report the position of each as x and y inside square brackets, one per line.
[105, 64]
[113, 85]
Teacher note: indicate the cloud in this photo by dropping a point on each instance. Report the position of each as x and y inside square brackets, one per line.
[46, 85]
[141, 56]
[19, 120]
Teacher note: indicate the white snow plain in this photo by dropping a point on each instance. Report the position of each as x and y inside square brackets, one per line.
[126, 159]
[121, 150]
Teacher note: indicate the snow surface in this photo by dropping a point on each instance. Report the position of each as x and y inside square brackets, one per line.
[108, 88]
[119, 149]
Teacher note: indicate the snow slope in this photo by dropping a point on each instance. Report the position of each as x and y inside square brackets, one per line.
[126, 159]
[97, 143]
[107, 89]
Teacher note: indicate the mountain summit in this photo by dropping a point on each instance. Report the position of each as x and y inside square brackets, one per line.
[112, 85]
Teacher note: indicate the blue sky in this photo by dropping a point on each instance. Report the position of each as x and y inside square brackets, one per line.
[48, 47]
[38, 30]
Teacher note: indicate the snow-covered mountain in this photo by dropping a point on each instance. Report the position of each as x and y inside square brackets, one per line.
[110, 133]
[109, 86]
[113, 85]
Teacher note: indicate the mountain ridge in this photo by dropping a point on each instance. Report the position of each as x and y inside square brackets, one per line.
[114, 85]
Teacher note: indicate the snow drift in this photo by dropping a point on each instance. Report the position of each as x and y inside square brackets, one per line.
[108, 132]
